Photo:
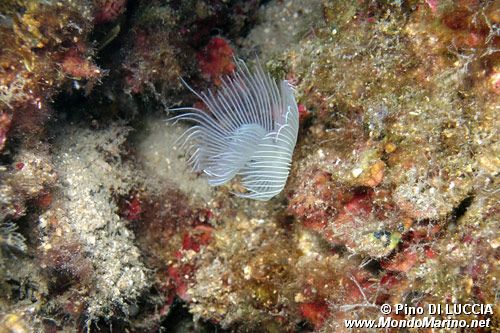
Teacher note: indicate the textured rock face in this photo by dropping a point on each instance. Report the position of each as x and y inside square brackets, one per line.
[392, 195]
[389, 167]
[85, 237]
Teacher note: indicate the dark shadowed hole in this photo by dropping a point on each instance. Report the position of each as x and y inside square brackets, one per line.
[461, 209]
[179, 320]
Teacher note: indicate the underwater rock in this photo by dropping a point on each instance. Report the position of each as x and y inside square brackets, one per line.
[392, 195]
[83, 235]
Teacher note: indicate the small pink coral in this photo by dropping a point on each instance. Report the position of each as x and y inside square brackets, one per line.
[179, 275]
[303, 112]
[109, 10]
[216, 60]
[315, 312]
[433, 4]
[199, 236]
[132, 208]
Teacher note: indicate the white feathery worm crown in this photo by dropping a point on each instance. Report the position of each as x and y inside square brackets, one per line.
[250, 130]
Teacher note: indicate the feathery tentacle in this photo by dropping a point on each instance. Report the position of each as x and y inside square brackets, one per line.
[250, 130]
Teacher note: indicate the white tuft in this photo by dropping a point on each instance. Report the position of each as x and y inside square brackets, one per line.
[249, 130]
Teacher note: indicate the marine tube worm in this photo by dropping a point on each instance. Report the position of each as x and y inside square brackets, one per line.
[250, 130]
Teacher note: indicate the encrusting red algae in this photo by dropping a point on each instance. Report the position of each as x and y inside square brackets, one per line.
[391, 196]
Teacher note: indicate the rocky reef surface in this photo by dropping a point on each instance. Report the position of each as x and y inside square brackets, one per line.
[393, 194]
